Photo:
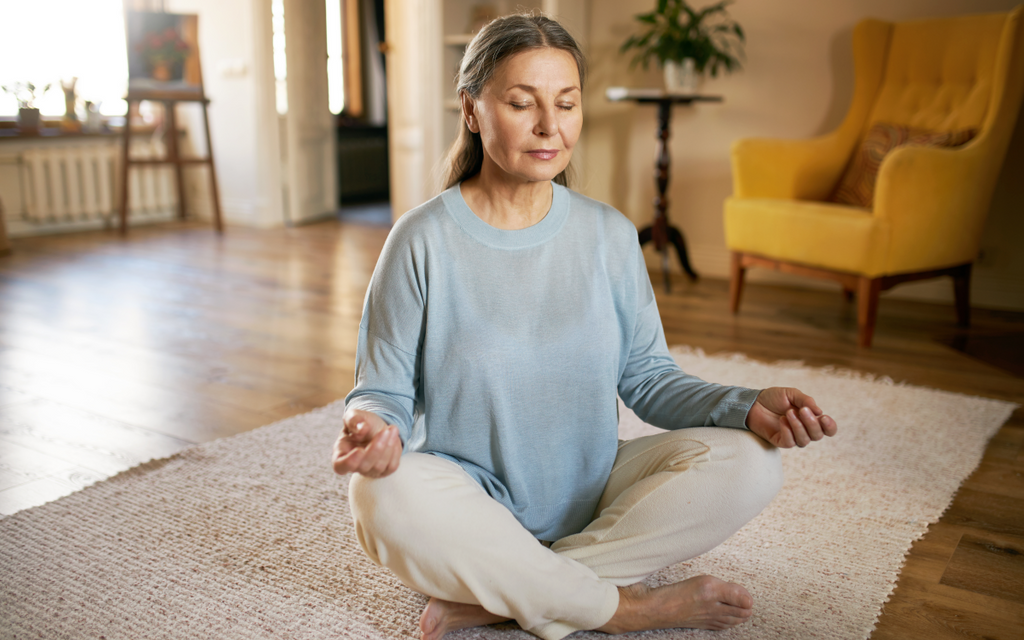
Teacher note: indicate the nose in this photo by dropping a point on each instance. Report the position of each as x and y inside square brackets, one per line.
[547, 122]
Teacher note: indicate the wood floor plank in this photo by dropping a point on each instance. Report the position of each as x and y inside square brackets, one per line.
[981, 509]
[9, 395]
[931, 616]
[43, 490]
[20, 464]
[1005, 447]
[988, 564]
[213, 376]
[997, 479]
[934, 549]
[303, 405]
[83, 439]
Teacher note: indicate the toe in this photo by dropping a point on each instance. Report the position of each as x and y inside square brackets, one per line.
[737, 596]
[429, 620]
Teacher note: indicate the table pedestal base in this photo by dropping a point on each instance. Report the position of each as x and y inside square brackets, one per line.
[675, 238]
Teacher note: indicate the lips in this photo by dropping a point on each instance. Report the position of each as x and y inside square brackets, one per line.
[544, 154]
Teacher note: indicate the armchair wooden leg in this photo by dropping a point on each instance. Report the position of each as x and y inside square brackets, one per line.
[868, 290]
[736, 274]
[962, 295]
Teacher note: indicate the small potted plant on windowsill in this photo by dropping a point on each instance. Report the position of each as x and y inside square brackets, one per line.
[26, 95]
[687, 42]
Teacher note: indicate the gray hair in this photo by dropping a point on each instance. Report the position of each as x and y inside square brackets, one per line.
[499, 40]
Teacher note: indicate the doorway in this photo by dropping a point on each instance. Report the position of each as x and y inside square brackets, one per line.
[329, 70]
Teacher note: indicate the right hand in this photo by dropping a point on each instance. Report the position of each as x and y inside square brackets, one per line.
[367, 445]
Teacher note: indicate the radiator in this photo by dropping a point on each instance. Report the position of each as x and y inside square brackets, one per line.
[68, 185]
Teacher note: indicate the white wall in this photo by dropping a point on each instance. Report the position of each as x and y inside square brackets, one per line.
[234, 46]
[797, 82]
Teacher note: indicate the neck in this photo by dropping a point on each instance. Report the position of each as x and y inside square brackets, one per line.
[505, 204]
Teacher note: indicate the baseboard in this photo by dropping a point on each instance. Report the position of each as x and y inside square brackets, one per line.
[18, 228]
[248, 212]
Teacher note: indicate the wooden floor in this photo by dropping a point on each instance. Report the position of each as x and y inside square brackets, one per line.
[113, 352]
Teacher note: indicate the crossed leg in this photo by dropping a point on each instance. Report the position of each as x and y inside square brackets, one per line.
[669, 497]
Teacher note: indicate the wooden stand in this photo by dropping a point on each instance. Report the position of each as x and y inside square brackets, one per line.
[170, 101]
[662, 232]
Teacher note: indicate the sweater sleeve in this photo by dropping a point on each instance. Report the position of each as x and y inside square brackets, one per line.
[661, 394]
[390, 335]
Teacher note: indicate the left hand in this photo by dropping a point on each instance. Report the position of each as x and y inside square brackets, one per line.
[787, 417]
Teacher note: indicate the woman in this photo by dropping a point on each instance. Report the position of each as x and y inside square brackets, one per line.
[502, 319]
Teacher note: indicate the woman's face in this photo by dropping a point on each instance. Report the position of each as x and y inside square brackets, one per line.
[529, 115]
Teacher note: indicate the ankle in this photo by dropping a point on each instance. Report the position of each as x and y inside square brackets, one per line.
[630, 604]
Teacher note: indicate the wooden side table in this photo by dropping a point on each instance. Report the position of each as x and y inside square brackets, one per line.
[660, 230]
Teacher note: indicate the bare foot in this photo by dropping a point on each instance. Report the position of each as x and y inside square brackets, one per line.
[703, 602]
[442, 616]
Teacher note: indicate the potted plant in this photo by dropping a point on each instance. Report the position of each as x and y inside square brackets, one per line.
[675, 34]
[26, 94]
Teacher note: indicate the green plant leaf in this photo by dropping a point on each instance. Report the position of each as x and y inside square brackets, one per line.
[674, 31]
[691, 14]
[709, 10]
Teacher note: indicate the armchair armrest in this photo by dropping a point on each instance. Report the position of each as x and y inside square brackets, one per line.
[935, 201]
[789, 169]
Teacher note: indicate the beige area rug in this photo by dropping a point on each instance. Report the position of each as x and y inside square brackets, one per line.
[250, 537]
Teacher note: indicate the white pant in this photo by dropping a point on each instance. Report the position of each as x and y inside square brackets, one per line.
[670, 497]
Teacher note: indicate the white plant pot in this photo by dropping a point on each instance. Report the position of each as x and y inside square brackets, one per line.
[689, 79]
[671, 70]
[681, 77]
[29, 121]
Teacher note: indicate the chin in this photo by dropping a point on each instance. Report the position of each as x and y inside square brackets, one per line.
[546, 175]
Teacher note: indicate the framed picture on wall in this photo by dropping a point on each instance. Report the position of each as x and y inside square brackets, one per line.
[163, 53]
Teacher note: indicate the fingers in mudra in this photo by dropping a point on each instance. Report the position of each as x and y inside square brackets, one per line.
[381, 454]
[787, 417]
[367, 445]
[374, 458]
[802, 428]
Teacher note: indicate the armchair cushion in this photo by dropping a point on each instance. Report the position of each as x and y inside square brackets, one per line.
[857, 186]
[815, 234]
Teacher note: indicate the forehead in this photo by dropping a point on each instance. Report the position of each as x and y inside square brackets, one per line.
[545, 67]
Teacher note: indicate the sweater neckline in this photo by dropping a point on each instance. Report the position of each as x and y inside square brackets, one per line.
[531, 236]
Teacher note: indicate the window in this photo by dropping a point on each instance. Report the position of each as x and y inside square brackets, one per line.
[280, 61]
[46, 40]
[335, 68]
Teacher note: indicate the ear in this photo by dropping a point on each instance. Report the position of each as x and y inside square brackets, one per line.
[469, 112]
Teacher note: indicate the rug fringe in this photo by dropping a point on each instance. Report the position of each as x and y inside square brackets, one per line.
[793, 365]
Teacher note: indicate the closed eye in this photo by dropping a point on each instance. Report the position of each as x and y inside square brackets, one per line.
[519, 107]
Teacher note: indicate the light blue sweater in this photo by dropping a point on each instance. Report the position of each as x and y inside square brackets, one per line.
[503, 351]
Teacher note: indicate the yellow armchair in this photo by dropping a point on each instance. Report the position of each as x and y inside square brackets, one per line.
[930, 203]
